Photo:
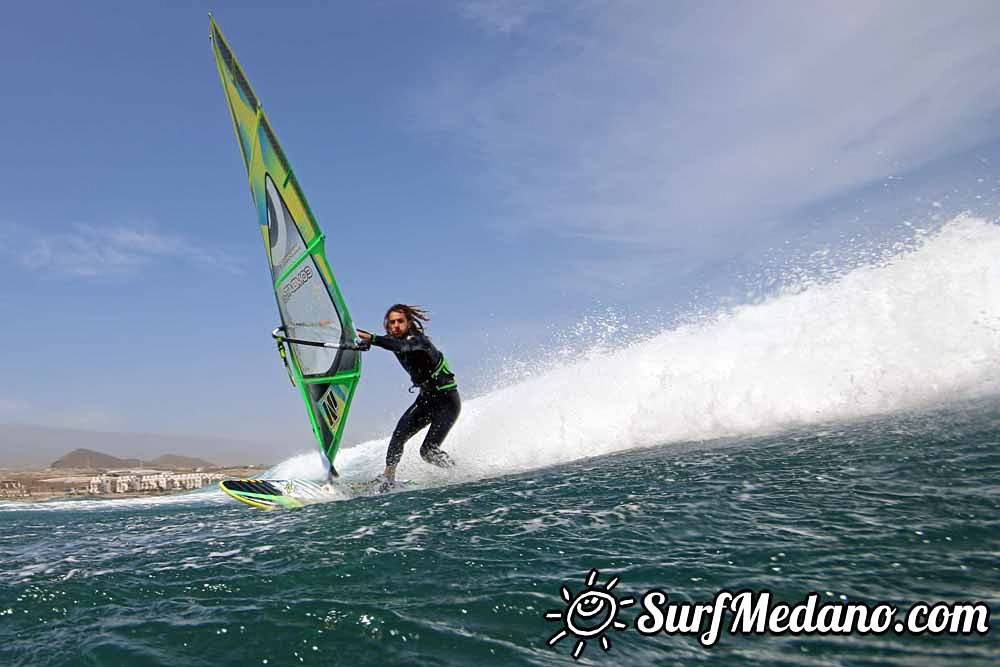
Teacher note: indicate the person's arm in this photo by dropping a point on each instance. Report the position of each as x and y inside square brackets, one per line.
[394, 344]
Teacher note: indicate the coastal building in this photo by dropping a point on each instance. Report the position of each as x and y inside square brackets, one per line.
[139, 481]
[12, 488]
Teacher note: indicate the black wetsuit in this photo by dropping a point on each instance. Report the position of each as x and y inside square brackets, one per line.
[438, 403]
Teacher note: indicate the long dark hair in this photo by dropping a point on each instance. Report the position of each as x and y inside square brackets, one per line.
[417, 315]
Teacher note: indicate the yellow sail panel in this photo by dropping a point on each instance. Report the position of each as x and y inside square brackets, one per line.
[315, 320]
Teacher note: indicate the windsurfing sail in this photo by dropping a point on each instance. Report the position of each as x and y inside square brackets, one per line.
[316, 328]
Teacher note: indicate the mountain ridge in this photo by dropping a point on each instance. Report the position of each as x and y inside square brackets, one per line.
[30, 446]
[89, 459]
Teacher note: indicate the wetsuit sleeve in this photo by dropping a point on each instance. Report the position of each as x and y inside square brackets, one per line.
[405, 345]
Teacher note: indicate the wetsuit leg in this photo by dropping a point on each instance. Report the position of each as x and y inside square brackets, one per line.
[415, 418]
[447, 406]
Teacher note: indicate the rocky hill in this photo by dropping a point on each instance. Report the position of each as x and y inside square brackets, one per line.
[26, 446]
[88, 459]
[91, 460]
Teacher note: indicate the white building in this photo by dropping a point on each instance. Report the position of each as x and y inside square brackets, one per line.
[12, 488]
[138, 481]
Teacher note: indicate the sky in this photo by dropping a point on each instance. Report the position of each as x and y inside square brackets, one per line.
[526, 170]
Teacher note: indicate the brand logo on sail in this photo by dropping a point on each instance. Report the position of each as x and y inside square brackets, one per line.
[297, 281]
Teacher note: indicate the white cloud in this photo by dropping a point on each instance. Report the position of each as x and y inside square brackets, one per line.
[505, 16]
[680, 123]
[95, 250]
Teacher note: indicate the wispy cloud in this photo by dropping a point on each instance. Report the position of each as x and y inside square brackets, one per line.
[667, 123]
[505, 16]
[96, 250]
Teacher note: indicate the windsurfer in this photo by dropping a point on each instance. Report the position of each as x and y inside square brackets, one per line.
[438, 403]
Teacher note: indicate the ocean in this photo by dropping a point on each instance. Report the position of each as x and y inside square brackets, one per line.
[839, 439]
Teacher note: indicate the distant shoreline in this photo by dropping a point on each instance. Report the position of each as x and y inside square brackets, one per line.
[48, 497]
[47, 484]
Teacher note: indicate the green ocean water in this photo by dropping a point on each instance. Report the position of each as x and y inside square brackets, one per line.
[897, 509]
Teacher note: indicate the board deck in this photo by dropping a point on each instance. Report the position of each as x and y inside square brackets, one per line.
[290, 493]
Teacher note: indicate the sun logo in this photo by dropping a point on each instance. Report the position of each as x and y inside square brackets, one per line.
[588, 614]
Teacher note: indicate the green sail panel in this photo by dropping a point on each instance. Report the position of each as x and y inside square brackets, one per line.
[310, 304]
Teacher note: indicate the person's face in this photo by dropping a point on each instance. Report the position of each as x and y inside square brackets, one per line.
[398, 324]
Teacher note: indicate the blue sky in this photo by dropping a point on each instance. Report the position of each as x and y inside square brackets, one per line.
[515, 166]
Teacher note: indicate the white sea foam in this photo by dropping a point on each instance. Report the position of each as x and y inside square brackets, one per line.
[208, 494]
[914, 328]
